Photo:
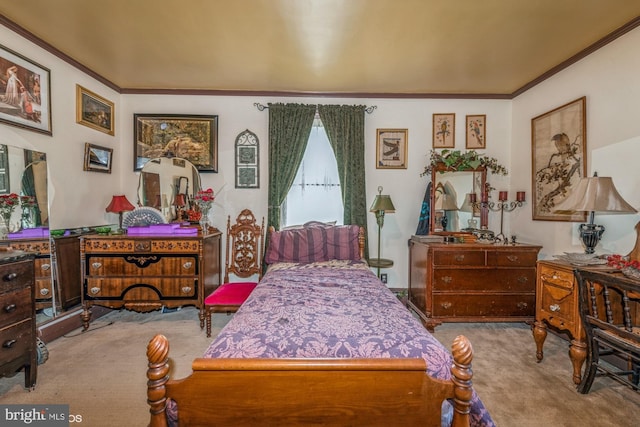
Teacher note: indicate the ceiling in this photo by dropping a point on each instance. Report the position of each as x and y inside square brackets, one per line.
[366, 47]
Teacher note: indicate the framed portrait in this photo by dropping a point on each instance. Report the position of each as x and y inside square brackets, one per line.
[190, 137]
[25, 92]
[444, 126]
[476, 134]
[391, 149]
[247, 150]
[97, 158]
[94, 111]
[558, 152]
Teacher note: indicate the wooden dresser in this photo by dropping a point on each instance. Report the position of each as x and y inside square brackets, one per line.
[146, 273]
[17, 316]
[472, 282]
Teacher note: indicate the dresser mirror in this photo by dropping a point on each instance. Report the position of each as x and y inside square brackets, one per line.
[168, 184]
[25, 224]
[452, 211]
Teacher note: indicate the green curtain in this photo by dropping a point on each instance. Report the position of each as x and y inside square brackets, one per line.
[344, 125]
[289, 129]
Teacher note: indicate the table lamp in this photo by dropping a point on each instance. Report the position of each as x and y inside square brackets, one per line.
[445, 202]
[594, 194]
[119, 205]
[381, 204]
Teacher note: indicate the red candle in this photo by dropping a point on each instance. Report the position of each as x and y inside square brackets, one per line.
[503, 196]
[473, 198]
[485, 197]
[520, 196]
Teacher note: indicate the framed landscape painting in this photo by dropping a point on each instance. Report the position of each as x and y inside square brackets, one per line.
[97, 158]
[94, 111]
[190, 137]
[25, 92]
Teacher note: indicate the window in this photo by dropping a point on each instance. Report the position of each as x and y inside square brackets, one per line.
[315, 194]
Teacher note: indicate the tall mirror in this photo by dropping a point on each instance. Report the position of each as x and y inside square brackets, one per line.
[24, 213]
[452, 208]
[168, 184]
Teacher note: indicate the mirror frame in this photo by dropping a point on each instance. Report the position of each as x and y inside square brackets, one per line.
[440, 168]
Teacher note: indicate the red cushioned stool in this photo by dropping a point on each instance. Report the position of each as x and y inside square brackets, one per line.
[243, 259]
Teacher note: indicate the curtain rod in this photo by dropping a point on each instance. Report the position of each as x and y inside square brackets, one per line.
[262, 107]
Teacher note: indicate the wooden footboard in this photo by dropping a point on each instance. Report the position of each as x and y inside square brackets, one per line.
[327, 392]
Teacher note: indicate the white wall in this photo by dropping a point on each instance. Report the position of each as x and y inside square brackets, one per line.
[608, 78]
[610, 81]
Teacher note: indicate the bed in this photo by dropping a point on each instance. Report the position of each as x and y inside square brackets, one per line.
[320, 341]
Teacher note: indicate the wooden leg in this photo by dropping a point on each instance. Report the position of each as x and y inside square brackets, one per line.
[577, 354]
[208, 320]
[539, 336]
[86, 318]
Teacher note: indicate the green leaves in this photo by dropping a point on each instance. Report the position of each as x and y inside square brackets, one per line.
[457, 160]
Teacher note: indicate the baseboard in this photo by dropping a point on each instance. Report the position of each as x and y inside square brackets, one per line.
[66, 323]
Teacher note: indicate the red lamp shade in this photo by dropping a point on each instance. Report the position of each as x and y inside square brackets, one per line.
[120, 204]
[180, 200]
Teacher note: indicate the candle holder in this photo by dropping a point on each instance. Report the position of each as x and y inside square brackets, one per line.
[502, 206]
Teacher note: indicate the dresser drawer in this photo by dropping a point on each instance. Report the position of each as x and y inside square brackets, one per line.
[43, 289]
[556, 277]
[15, 276]
[462, 258]
[16, 341]
[508, 280]
[140, 288]
[15, 306]
[97, 245]
[42, 268]
[512, 258]
[453, 305]
[142, 265]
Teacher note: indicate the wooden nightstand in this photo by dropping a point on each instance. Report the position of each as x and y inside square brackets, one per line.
[557, 307]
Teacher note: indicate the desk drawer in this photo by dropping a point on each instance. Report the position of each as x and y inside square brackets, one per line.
[15, 307]
[462, 258]
[142, 265]
[140, 288]
[16, 276]
[16, 341]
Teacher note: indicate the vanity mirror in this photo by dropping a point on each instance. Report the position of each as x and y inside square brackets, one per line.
[451, 209]
[168, 184]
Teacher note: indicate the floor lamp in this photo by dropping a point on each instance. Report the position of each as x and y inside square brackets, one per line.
[381, 204]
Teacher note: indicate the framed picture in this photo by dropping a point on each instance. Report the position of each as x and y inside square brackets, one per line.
[476, 126]
[247, 160]
[25, 92]
[97, 159]
[558, 152]
[94, 111]
[444, 126]
[190, 137]
[391, 151]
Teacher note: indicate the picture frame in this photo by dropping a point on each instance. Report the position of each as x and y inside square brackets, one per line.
[476, 131]
[391, 148]
[444, 130]
[247, 159]
[97, 158]
[26, 89]
[191, 137]
[559, 159]
[94, 111]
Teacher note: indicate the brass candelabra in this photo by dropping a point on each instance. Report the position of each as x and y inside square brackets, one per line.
[501, 206]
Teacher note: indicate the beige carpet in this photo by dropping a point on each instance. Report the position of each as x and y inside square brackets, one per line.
[101, 373]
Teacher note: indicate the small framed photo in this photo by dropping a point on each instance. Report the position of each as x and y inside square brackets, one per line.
[476, 126]
[444, 126]
[94, 111]
[26, 92]
[391, 149]
[97, 159]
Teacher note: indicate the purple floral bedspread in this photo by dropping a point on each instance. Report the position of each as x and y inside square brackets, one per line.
[331, 309]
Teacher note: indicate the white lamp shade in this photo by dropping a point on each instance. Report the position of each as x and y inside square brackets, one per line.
[595, 194]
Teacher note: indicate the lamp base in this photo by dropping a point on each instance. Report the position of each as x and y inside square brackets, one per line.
[590, 235]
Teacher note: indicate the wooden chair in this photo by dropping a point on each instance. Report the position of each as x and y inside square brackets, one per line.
[243, 260]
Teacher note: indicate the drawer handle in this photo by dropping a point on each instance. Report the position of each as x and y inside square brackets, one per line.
[96, 265]
[9, 308]
[95, 290]
[522, 305]
[44, 292]
[446, 305]
[9, 277]
[554, 307]
[447, 279]
[9, 343]
[459, 258]
[523, 279]
[186, 289]
[45, 267]
[187, 265]
[512, 258]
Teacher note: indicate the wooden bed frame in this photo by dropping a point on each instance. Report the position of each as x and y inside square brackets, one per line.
[293, 392]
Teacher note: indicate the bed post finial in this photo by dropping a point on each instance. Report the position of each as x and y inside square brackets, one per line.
[462, 373]
[158, 375]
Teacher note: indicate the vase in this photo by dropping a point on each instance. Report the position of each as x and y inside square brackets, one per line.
[6, 222]
[204, 218]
